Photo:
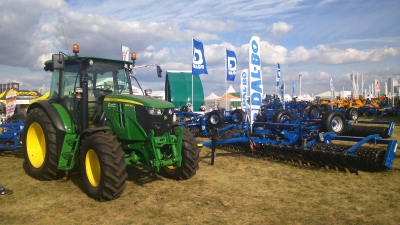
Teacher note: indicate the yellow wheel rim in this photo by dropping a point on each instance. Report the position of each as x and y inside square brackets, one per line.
[93, 170]
[36, 145]
[172, 167]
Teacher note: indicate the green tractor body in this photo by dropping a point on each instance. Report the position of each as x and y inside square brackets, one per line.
[93, 122]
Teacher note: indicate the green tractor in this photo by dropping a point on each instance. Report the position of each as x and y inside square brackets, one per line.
[93, 122]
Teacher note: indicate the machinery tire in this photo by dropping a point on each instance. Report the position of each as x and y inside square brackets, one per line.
[39, 144]
[333, 121]
[352, 114]
[282, 116]
[238, 116]
[190, 159]
[215, 119]
[314, 112]
[325, 107]
[102, 166]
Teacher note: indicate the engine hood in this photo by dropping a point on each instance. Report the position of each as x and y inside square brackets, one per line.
[139, 100]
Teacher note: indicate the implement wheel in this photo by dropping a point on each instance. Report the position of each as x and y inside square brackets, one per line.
[282, 116]
[352, 114]
[190, 158]
[215, 119]
[238, 116]
[39, 144]
[333, 121]
[314, 112]
[102, 166]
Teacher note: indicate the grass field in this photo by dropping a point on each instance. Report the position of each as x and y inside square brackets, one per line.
[238, 189]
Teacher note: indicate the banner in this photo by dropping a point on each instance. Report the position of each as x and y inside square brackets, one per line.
[293, 88]
[256, 87]
[332, 92]
[278, 75]
[230, 65]
[244, 90]
[377, 86]
[283, 95]
[125, 53]
[199, 61]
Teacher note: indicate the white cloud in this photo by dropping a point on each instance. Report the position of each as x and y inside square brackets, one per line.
[279, 29]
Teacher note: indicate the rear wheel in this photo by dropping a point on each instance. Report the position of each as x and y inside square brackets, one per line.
[102, 166]
[190, 158]
[333, 121]
[39, 143]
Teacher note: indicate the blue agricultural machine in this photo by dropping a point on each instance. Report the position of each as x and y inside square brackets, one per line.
[201, 124]
[10, 134]
[314, 142]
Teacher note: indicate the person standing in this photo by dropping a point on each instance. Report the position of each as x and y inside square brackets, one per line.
[202, 107]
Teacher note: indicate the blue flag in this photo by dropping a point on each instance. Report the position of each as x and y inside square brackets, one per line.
[199, 61]
[283, 94]
[293, 88]
[278, 75]
[230, 65]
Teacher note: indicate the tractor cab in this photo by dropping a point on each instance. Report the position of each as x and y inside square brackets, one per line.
[80, 84]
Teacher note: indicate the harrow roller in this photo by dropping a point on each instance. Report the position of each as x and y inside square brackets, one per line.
[291, 143]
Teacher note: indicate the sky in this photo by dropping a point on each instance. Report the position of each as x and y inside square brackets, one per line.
[319, 39]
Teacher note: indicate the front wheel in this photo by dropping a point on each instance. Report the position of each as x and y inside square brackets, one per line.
[39, 143]
[190, 159]
[102, 166]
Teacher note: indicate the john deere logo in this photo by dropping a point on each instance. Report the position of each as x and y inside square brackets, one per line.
[165, 117]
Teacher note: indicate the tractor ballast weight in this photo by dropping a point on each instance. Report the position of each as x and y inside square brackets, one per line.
[93, 122]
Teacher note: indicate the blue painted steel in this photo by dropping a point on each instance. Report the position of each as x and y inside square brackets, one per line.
[10, 135]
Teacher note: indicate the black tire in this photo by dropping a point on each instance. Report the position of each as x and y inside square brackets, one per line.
[102, 166]
[333, 121]
[325, 107]
[190, 159]
[282, 116]
[39, 144]
[238, 116]
[314, 112]
[352, 114]
[215, 119]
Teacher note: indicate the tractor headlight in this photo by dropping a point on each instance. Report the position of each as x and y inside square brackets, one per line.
[156, 112]
[170, 112]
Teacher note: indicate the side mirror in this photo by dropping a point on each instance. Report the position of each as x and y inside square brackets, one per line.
[159, 70]
[58, 61]
[147, 92]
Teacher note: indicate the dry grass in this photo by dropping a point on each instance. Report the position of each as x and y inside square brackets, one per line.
[238, 189]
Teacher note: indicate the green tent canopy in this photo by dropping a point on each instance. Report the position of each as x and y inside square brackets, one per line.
[178, 89]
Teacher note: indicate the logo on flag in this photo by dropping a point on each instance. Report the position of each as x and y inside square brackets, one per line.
[199, 61]
[125, 53]
[278, 75]
[230, 65]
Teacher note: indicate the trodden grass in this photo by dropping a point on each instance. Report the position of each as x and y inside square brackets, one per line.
[238, 189]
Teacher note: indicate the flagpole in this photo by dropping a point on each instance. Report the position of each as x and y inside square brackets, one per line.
[192, 76]
[226, 72]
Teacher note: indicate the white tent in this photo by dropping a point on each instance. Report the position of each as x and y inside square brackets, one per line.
[305, 97]
[211, 100]
[327, 94]
[230, 89]
[287, 97]
[212, 96]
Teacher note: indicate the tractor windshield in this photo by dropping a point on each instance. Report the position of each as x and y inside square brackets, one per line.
[104, 77]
